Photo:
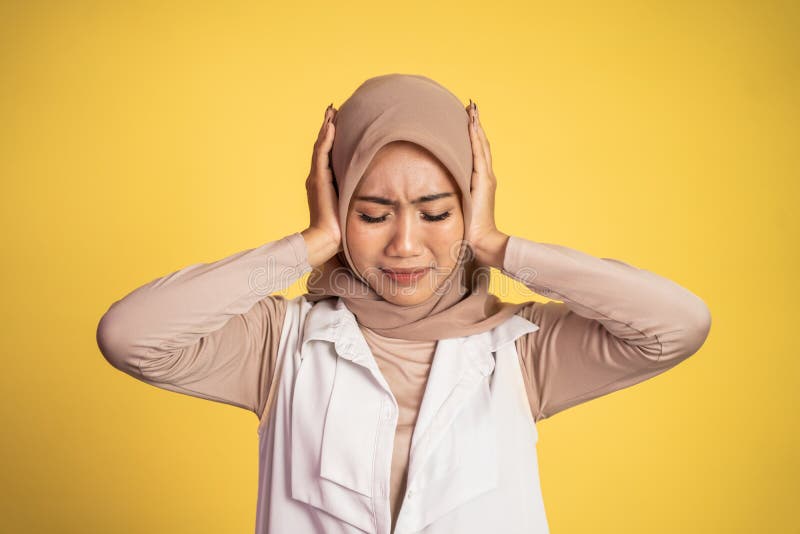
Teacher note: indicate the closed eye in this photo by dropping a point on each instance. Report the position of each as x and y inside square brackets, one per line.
[428, 217]
[434, 218]
[366, 218]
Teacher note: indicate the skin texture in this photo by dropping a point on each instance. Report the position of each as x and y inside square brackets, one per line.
[409, 233]
[406, 237]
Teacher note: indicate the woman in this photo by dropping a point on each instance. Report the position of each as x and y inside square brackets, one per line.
[398, 394]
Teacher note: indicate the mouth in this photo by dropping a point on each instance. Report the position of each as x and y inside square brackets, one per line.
[405, 276]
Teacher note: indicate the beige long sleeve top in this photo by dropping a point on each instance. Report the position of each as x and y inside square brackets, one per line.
[211, 330]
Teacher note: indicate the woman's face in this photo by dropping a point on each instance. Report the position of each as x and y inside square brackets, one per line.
[405, 215]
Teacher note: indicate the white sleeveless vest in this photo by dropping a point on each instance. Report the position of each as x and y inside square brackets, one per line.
[326, 442]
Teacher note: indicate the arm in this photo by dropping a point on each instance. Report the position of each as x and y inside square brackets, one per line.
[617, 325]
[209, 330]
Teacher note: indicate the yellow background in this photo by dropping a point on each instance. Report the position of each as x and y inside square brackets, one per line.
[141, 137]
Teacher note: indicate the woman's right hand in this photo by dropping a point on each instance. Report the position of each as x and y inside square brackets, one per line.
[323, 236]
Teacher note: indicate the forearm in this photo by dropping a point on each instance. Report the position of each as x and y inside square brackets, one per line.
[177, 310]
[661, 318]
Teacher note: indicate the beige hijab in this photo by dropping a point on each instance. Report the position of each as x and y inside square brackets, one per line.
[412, 108]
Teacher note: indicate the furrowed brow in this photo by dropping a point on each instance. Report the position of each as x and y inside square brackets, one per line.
[389, 202]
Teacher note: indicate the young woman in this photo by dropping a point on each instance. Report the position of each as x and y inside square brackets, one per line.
[398, 394]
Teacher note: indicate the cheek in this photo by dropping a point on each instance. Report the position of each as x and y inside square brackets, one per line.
[360, 242]
[446, 241]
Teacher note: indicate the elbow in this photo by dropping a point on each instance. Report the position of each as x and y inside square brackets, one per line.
[111, 341]
[696, 329]
[687, 333]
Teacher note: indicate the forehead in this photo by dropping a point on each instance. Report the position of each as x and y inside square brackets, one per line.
[402, 166]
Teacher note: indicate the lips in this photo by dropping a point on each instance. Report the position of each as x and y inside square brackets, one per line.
[405, 271]
[405, 276]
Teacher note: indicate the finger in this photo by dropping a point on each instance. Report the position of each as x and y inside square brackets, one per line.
[318, 140]
[324, 147]
[484, 140]
[478, 158]
[327, 117]
[328, 127]
[324, 140]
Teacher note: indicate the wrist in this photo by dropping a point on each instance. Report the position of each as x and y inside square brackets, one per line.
[321, 246]
[491, 249]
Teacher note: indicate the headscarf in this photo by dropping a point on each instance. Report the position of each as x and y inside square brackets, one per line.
[413, 108]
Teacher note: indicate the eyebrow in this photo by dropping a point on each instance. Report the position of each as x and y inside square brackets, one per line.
[388, 202]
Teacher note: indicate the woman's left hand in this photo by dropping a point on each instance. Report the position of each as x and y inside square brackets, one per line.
[486, 240]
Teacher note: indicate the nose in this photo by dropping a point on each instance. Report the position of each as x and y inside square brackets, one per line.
[406, 238]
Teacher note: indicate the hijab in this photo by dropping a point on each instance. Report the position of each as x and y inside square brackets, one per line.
[406, 107]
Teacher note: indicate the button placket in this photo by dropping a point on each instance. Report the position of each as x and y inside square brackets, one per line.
[383, 466]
